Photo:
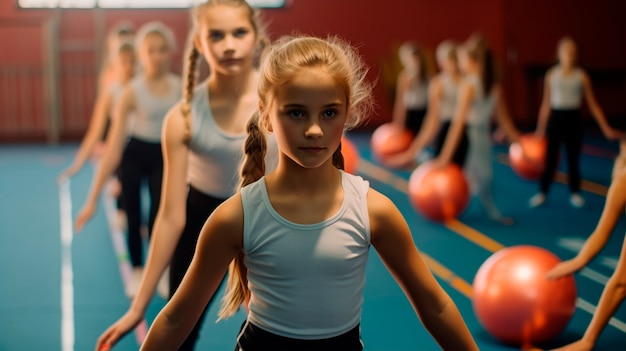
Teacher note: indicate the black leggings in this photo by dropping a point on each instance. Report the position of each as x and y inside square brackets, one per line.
[461, 150]
[564, 126]
[253, 338]
[414, 120]
[141, 161]
[199, 207]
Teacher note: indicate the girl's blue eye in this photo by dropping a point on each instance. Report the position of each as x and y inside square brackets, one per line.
[216, 36]
[241, 33]
[296, 114]
[329, 114]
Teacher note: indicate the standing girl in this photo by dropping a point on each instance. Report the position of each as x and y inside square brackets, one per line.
[202, 146]
[480, 95]
[304, 231]
[560, 120]
[442, 93]
[409, 108]
[118, 69]
[147, 99]
[615, 290]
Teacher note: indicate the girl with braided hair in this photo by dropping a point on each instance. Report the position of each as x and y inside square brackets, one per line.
[297, 239]
[203, 140]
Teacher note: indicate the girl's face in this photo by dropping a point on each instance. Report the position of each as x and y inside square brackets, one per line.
[154, 54]
[227, 39]
[126, 64]
[410, 62]
[307, 115]
[567, 54]
[448, 65]
[466, 64]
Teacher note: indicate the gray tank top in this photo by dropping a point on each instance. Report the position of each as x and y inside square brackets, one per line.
[215, 155]
[151, 109]
[447, 105]
[566, 91]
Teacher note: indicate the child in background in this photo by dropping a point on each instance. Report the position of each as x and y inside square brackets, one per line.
[145, 102]
[443, 91]
[300, 236]
[202, 147]
[615, 289]
[560, 121]
[480, 97]
[409, 108]
[118, 69]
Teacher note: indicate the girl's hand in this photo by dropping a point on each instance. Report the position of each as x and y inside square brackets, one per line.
[540, 134]
[439, 163]
[120, 328]
[84, 216]
[68, 172]
[613, 134]
[400, 160]
[564, 268]
[580, 345]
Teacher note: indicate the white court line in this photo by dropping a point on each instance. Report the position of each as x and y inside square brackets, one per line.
[575, 245]
[67, 275]
[591, 308]
[121, 252]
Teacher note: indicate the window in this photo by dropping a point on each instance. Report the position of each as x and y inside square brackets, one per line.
[140, 4]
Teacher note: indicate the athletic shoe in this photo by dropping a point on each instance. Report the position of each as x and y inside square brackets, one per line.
[537, 200]
[163, 287]
[576, 200]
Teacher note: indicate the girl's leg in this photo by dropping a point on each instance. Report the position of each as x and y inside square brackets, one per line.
[155, 178]
[130, 178]
[554, 135]
[573, 144]
[199, 207]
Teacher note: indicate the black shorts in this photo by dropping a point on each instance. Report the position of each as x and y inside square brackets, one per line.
[253, 338]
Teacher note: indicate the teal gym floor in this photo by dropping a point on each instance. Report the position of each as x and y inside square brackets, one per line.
[60, 292]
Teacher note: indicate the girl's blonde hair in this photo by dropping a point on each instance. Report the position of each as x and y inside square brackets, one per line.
[279, 63]
[412, 49]
[192, 54]
[156, 28]
[479, 50]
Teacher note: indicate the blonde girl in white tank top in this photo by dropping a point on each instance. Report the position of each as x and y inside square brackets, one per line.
[310, 91]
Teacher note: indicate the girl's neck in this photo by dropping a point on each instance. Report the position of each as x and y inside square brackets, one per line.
[156, 75]
[295, 178]
[567, 68]
[232, 86]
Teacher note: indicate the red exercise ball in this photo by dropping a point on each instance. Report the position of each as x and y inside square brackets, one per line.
[514, 301]
[350, 155]
[529, 167]
[389, 139]
[438, 193]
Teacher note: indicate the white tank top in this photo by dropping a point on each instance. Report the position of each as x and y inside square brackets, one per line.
[215, 155]
[566, 91]
[482, 107]
[416, 96]
[306, 281]
[116, 89]
[447, 105]
[151, 110]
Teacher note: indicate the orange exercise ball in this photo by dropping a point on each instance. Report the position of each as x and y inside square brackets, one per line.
[529, 167]
[514, 301]
[389, 139]
[350, 155]
[438, 193]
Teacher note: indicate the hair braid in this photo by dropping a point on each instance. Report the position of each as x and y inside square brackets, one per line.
[188, 87]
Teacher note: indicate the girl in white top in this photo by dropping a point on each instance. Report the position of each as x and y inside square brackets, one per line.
[443, 91]
[304, 230]
[409, 108]
[146, 100]
[202, 147]
[480, 97]
[613, 294]
[560, 120]
[121, 63]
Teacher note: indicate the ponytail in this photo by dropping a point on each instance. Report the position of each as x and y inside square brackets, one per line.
[252, 169]
[489, 71]
[191, 71]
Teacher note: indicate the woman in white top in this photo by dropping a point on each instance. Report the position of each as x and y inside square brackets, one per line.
[480, 97]
[409, 108]
[560, 122]
[145, 103]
